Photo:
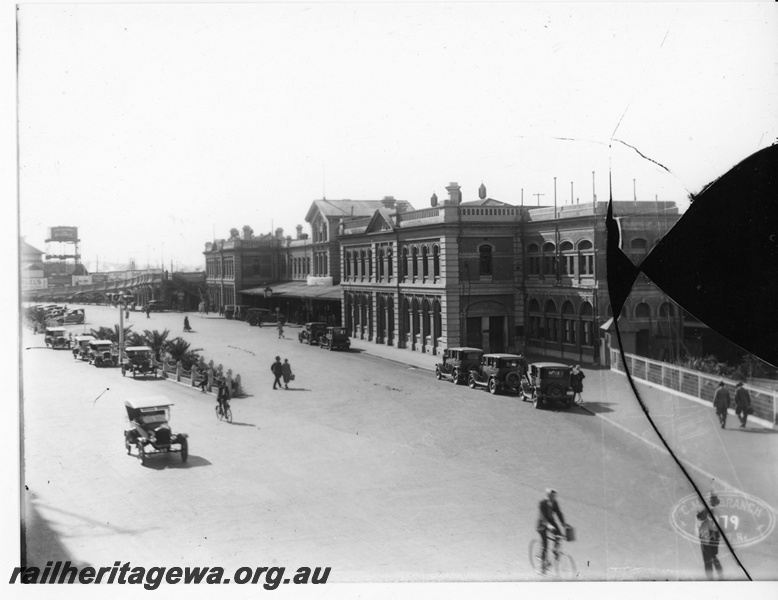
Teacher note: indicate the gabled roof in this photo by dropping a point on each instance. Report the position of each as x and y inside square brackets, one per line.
[381, 221]
[350, 208]
[25, 248]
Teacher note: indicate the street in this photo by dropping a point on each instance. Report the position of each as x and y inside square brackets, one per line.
[365, 465]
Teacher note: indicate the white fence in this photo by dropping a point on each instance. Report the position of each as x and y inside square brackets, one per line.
[690, 383]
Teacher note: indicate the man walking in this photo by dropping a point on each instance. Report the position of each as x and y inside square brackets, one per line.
[709, 542]
[278, 370]
[742, 403]
[721, 402]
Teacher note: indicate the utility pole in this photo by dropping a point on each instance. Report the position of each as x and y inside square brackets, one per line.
[538, 197]
[634, 192]
[555, 197]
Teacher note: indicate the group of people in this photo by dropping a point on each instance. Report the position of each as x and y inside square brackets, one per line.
[281, 370]
[722, 401]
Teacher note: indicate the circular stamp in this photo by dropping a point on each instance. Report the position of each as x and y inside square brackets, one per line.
[744, 519]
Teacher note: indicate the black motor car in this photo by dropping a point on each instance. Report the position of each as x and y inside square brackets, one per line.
[236, 311]
[498, 373]
[548, 382]
[149, 432]
[258, 316]
[457, 364]
[335, 338]
[312, 332]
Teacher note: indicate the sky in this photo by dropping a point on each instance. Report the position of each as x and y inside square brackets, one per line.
[154, 127]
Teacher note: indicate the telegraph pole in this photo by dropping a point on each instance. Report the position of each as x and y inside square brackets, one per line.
[538, 197]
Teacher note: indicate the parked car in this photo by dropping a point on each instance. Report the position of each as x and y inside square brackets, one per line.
[236, 311]
[71, 317]
[497, 373]
[312, 332]
[138, 360]
[103, 353]
[56, 338]
[149, 431]
[81, 346]
[257, 316]
[155, 305]
[548, 382]
[457, 364]
[335, 338]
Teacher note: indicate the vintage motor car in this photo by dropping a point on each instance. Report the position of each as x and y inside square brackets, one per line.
[257, 316]
[149, 431]
[71, 317]
[81, 346]
[56, 337]
[155, 305]
[457, 364]
[335, 338]
[138, 360]
[498, 373]
[235, 311]
[549, 382]
[312, 332]
[103, 353]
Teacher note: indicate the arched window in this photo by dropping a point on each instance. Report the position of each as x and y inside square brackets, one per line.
[552, 321]
[370, 264]
[549, 260]
[415, 262]
[348, 264]
[585, 259]
[425, 271]
[389, 263]
[436, 261]
[587, 323]
[380, 257]
[568, 322]
[361, 264]
[405, 263]
[642, 311]
[568, 258]
[485, 260]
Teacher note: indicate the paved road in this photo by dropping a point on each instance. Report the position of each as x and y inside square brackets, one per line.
[368, 466]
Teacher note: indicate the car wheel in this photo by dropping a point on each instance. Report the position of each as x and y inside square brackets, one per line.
[455, 377]
[141, 452]
[438, 376]
[184, 449]
[556, 392]
[471, 381]
[493, 389]
[98, 362]
[513, 379]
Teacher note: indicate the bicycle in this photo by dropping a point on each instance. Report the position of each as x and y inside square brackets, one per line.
[224, 414]
[561, 565]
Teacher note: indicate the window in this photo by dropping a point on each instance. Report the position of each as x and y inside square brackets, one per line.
[415, 261]
[642, 311]
[568, 322]
[552, 321]
[568, 258]
[436, 261]
[404, 265]
[587, 321]
[549, 259]
[380, 257]
[389, 263]
[535, 321]
[370, 264]
[485, 260]
[585, 259]
[424, 265]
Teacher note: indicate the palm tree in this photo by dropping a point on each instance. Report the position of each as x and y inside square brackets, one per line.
[156, 340]
[135, 339]
[180, 349]
[103, 333]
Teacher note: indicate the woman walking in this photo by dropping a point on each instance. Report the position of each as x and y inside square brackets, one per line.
[286, 371]
[576, 382]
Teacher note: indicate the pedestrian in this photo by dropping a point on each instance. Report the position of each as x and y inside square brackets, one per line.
[721, 402]
[127, 314]
[186, 324]
[742, 404]
[221, 310]
[576, 382]
[148, 311]
[524, 366]
[203, 374]
[709, 543]
[280, 329]
[287, 372]
[278, 370]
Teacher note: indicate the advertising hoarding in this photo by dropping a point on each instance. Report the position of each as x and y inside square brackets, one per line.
[63, 234]
[34, 283]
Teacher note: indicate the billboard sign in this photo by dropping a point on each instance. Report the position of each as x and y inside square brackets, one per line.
[34, 283]
[63, 234]
[82, 279]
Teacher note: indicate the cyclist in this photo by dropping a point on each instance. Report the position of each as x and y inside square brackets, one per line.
[546, 524]
[223, 396]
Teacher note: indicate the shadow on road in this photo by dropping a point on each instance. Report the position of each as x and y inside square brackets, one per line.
[41, 542]
[752, 430]
[243, 424]
[296, 390]
[160, 463]
[596, 407]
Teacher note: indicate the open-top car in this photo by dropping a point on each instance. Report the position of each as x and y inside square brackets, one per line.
[236, 311]
[103, 353]
[138, 360]
[312, 332]
[71, 317]
[149, 431]
[457, 364]
[81, 346]
[548, 382]
[498, 373]
[56, 337]
[335, 338]
[257, 316]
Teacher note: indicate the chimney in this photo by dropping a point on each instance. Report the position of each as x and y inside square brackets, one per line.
[388, 202]
[454, 193]
[279, 232]
[434, 199]
[299, 229]
[247, 232]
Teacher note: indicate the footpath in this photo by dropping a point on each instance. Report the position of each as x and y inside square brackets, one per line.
[732, 459]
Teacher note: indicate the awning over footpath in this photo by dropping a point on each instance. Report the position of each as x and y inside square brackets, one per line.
[297, 289]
